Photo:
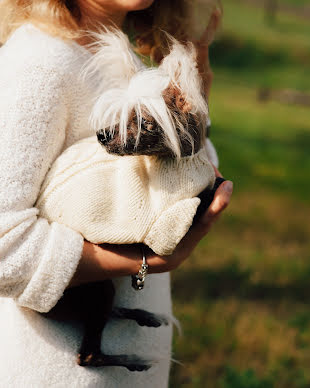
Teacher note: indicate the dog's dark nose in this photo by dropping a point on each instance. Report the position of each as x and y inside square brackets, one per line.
[103, 137]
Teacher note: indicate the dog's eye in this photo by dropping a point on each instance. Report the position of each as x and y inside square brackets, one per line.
[146, 124]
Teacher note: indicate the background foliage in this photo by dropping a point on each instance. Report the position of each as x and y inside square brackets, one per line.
[243, 297]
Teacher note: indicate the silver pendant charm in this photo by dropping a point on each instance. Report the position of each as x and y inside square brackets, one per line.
[137, 281]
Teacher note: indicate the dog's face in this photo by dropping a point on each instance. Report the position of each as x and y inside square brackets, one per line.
[156, 111]
[150, 140]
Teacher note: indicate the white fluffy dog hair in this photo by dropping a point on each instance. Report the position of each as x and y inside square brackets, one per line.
[132, 87]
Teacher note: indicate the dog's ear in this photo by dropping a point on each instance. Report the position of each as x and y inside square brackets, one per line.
[114, 61]
[181, 67]
[175, 99]
[181, 62]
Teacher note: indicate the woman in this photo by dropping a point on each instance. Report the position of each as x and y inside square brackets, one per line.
[44, 108]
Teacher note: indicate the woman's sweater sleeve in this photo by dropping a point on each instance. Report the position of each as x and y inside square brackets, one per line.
[37, 259]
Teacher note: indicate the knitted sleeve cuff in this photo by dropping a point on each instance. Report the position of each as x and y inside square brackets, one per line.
[60, 258]
[172, 225]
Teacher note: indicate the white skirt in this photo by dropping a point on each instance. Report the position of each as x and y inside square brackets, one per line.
[36, 352]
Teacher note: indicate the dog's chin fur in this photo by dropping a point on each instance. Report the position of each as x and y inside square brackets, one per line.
[158, 111]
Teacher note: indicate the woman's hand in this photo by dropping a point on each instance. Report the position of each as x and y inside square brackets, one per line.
[100, 262]
[202, 47]
[196, 232]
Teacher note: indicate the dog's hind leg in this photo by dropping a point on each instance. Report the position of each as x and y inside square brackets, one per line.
[96, 301]
[142, 317]
[91, 355]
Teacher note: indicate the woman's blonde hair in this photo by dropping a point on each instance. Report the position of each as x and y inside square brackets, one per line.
[62, 17]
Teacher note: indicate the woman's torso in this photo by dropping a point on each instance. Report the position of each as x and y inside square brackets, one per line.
[37, 352]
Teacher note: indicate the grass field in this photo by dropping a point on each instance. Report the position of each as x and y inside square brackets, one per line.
[243, 298]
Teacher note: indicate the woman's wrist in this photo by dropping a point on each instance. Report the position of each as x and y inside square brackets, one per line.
[100, 262]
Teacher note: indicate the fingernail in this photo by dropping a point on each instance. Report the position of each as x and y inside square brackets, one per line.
[228, 186]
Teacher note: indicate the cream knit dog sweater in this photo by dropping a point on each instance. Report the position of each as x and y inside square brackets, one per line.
[125, 199]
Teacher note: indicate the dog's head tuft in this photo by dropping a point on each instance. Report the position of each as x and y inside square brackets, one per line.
[170, 94]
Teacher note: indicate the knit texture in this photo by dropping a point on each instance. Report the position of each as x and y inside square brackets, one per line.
[44, 109]
[37, 259]
[125, 199]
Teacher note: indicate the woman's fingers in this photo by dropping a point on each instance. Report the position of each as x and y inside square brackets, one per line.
[219, 203]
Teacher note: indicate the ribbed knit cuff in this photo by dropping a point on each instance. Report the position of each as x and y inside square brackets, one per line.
[56, 268]
[171, 226]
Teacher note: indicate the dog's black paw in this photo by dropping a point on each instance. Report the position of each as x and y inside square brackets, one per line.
[138, 368]
[145, 318]
[132, 362]
[142, 317]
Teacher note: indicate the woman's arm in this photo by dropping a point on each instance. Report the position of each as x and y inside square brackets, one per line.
[108, 261]
[37, 259]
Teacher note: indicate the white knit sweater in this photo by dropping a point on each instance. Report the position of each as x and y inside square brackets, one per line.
[44, 108]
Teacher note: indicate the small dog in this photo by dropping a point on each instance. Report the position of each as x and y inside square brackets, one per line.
[149, 117]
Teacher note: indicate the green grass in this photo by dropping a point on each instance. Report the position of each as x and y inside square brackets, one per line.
[290, 33]
[286, 76]
[261, 144]
[295, 3]
[243, 296]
